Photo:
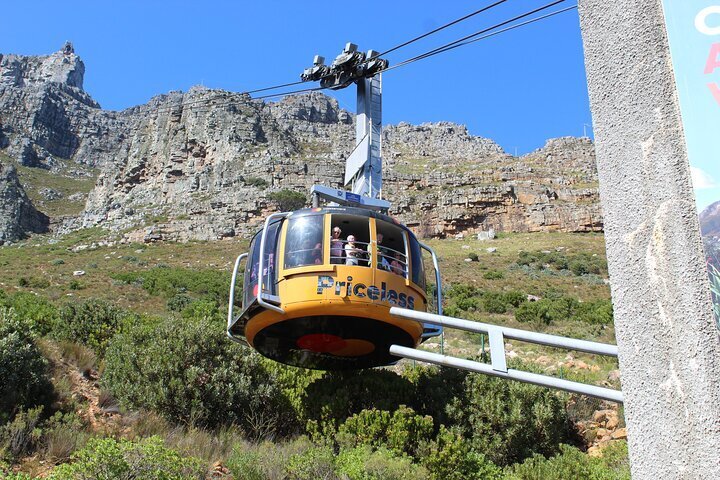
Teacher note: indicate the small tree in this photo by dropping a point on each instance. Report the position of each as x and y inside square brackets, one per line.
[288, 200]
[23, 370]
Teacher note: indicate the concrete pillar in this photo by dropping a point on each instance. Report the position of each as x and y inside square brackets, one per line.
[668, 342]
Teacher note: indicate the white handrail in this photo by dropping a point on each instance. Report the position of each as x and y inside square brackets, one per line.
[498, 366]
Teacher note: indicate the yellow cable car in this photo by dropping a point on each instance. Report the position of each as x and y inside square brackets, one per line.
[319, 284]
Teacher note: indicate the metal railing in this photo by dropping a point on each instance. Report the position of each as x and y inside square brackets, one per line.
[498, 364]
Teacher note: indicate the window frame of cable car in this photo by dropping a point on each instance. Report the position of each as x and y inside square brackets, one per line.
[287, 235]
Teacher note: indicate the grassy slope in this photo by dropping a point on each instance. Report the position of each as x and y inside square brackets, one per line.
[36, 179]
[36, 260]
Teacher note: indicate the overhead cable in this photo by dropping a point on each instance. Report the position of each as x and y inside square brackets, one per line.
[454, 22]
[475, 37]
[465, 40]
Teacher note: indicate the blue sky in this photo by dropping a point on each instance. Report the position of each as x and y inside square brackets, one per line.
[690, 51]
[519, 88]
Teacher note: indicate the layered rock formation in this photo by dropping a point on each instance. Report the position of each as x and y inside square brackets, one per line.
[202, 164]
[17, 215]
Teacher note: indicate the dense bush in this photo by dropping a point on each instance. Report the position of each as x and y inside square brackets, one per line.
[38, 314]
[22, 435]
[434, 388]
[25, 382]
[110, 459]
[468, 298]
[364, 463]
[314, 463]
[171, 281]
[550, 310]
[402, 431]
[91, 323]
[508, 421]
[187, 371]
[288, 200]
[256, 182]
[493, 275]
[572, 463]
[579, 264]
[451, 457]
[329, 400]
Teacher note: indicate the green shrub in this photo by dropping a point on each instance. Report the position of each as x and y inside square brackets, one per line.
[33, 282]
[513, 298]
[24, 371]
[473, 256]
[578, 264]
[493, 275]
[256, 182]
[451, 457]
[493, 302]
[401, 431]
[91, 323]
[170, 281]
[199, 309]
[34, 311]
[508, 421]
[598, 313]
[178, 302]
[110, 459]
[461, 297]
[554, 309]
[572, 463]
[434, 388]
[312, 464]
[187, 371]
[364, 463]
[8, 475]
[21, 436]
[63, 434]
[330, 399]
[75, 285]
[288, 200]
[265, 460]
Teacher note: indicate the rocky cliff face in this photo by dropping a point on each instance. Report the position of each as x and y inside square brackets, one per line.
[202, 164]
[17, 215]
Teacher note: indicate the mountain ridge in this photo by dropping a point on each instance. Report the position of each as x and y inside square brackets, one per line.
[202, 164]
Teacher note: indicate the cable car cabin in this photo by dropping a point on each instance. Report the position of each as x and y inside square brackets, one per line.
[319, 284]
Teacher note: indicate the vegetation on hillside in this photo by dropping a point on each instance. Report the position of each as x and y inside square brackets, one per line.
[131, 375]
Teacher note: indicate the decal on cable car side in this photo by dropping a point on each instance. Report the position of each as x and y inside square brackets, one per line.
[360, 290]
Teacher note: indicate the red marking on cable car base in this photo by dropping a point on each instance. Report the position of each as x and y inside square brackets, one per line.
[321, 343]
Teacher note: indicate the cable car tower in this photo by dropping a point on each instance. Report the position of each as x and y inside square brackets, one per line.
[363, 168]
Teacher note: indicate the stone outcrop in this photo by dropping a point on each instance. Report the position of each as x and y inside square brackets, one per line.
[18, 217]
[203, 164]
[47, 120]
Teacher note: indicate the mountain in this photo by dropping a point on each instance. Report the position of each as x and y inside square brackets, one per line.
[710, 220]
[203, 164]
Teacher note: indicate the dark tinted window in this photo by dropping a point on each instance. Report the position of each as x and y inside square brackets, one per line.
[269, 267]
[304, 241]
[417, 268]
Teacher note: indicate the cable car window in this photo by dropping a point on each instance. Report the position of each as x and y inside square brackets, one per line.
[417, 270]
[350, 240]
[304, 241]
[392, 255]
[269, 270]
[251, 275]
